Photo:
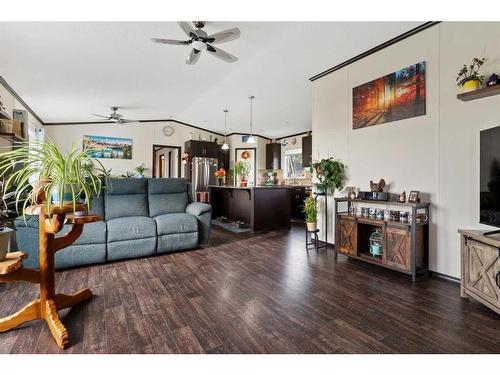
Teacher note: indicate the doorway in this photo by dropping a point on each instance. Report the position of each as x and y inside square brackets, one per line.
[166, 161]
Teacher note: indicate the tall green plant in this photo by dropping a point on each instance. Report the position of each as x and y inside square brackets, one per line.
[330, 174]
[75, 172]
[241, 168]
[311, 210]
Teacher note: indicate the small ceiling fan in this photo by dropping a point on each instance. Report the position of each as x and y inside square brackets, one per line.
[115, 117]
[200, 41]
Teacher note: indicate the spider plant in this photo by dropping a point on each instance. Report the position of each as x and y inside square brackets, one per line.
[61, 178]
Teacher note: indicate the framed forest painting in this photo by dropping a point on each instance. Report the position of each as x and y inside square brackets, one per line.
[396, 96]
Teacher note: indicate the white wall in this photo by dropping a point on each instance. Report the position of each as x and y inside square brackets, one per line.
[143, 135]
[437, 154]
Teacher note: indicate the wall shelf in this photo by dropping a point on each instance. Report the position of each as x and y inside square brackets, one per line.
[4, 115]
[480, 93]
[12, 137]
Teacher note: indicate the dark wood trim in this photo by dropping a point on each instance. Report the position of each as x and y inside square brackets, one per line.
[156, 148]
[390, 42]
[255, 161]
[442, 276]
[140, 121]
[294, 135]
[19, 99]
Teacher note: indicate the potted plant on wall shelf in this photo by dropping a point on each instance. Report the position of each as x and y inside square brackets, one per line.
[311, 211]
[60, 179]
[468, 77]
[330, 175]
[241, 171]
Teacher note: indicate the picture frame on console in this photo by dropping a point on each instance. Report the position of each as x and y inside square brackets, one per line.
[413, 197]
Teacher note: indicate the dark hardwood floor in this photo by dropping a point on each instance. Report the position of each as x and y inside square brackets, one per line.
[255, 294]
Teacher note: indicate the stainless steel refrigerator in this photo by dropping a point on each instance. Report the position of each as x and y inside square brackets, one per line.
[202, 174]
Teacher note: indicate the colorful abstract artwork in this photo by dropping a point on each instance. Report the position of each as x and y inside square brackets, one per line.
[108, 147]
[396, 96]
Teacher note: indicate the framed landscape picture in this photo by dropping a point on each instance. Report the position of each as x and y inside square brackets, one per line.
[108, 147]
[396, 96]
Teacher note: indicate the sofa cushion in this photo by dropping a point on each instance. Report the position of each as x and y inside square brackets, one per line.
[177, 241]
[93, 233]
[176, 223]
[130, 228]
[167, 195]
[131, 248]
[126, 197]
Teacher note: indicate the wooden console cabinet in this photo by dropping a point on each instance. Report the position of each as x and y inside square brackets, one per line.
[406, 245]
[480, 268]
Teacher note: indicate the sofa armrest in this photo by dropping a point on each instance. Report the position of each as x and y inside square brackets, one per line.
[198, 209]
[203, 213]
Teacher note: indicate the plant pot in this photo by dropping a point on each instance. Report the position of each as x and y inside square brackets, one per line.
[139, 175]
[68, 195]
[311, 227]
[471, 85]
[318, 190]
[4, 242]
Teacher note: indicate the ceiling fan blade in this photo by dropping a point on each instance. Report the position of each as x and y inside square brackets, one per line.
[221, 54]
[193, 57]
[170, 41]
[224, 36]
[188, 29]
[101, 116]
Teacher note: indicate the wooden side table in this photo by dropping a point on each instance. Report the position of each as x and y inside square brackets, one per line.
[49, 303]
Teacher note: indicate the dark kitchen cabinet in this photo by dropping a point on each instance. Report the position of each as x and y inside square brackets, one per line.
[201, 149]
[307, 151]
[223, 157]
[298, 196]
[273, 156]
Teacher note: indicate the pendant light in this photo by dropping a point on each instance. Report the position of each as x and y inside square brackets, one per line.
[225, 146]
[251, 139]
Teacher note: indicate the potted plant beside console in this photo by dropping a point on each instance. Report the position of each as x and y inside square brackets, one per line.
[311, 211]
[330, 175]
[52, 177]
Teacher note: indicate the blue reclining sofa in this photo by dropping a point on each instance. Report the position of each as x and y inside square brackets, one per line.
[142, 217]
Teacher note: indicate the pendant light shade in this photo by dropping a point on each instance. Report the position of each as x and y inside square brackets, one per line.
[225, 146]
[251, 139]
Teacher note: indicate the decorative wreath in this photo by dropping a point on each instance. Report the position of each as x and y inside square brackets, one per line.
[245, 155]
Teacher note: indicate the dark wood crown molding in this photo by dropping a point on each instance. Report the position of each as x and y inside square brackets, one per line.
[390, 42]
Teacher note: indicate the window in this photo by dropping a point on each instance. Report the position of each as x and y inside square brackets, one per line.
[293, 163]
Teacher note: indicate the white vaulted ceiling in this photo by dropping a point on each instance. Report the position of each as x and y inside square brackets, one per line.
[65, 71]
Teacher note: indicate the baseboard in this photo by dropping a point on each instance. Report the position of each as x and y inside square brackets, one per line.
[442, 276]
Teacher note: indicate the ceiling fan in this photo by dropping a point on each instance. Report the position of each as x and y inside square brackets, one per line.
[200, 41]
[115, 117]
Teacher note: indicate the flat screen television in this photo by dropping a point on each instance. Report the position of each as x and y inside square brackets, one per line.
[489, 200]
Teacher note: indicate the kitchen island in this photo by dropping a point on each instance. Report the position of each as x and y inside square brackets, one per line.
[260, 207]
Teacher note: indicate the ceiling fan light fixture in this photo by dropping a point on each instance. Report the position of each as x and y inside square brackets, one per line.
[225, 146]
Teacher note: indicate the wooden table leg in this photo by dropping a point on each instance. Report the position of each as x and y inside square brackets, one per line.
[49, 303]
[29, 312]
